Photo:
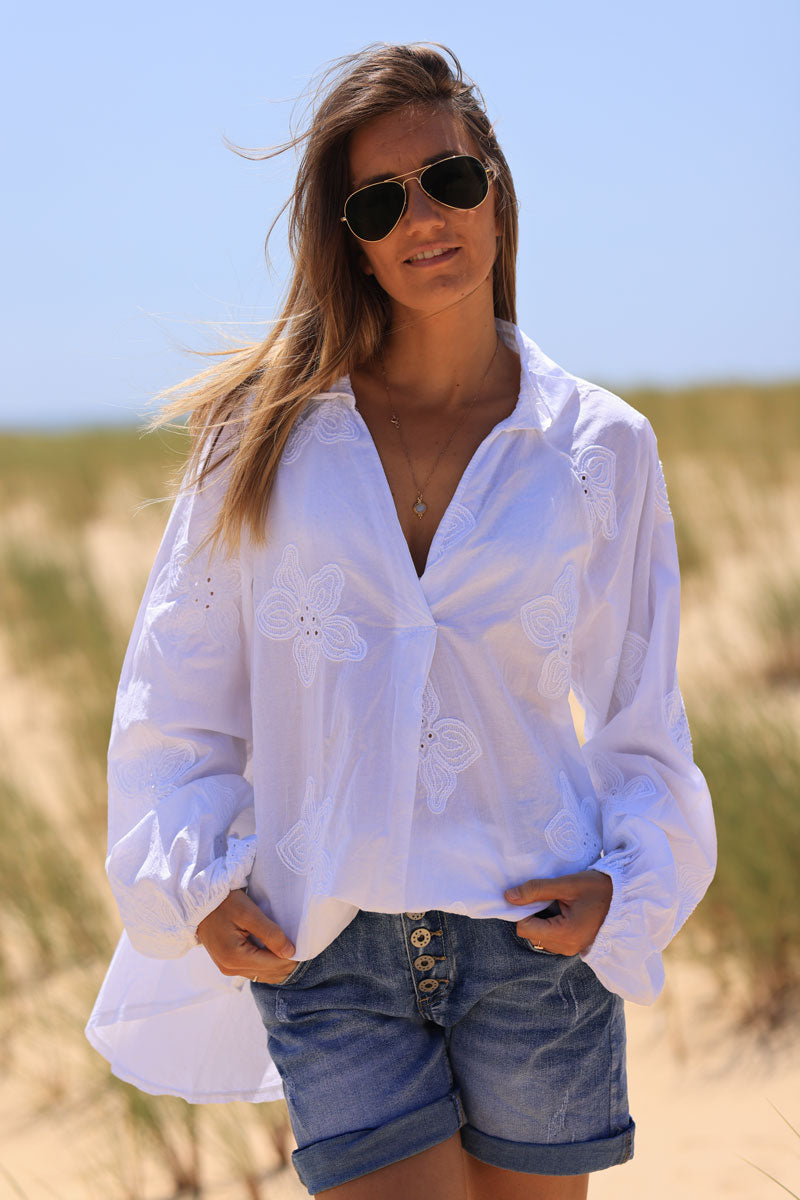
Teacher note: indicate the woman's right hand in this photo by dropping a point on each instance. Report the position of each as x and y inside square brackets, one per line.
[228, 935]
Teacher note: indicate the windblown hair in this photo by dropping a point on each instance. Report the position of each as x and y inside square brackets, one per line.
[242, 409]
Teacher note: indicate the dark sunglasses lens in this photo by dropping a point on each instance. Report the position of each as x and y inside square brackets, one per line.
[373, 212]
[460, 182]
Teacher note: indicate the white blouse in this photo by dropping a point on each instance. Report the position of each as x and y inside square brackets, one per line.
[314, 721]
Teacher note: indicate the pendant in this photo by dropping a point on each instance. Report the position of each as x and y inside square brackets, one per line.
[394, 420]
[420, 508]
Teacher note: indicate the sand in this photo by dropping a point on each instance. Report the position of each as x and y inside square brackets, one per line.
[700, 1093]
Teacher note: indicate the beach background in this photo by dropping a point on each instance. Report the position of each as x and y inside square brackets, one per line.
[657, 162]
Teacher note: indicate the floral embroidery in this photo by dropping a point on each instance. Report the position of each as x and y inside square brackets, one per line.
[629, 671]
[155, 772]
[595, 469]
[676, 722]
[447, 746]
[549, 621]
[572, 833]
[662, 499]
[201, 599]
[614, 793]
[457, 522]
[328, 422]
[301, 849]
[305, 610]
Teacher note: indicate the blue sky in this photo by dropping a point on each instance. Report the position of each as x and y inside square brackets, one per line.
[655, 150]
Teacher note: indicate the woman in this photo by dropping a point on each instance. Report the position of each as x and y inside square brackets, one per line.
[343, 728]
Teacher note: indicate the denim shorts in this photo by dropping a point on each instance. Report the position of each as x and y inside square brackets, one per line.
[411, 1026]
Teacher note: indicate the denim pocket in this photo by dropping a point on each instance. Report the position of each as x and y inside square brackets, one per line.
[297, 973]
[527, 942]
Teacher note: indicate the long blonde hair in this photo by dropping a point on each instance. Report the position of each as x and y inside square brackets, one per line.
[334, 316]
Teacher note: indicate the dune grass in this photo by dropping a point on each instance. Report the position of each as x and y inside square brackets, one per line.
[743, 446]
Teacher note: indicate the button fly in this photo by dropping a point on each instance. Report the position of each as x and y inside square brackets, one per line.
[424, 962]
[428, 985]
[420, 938]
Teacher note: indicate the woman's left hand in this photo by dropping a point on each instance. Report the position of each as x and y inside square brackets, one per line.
[584, 900]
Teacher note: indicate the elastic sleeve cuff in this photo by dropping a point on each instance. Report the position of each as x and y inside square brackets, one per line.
[219, 879]
[616, 955]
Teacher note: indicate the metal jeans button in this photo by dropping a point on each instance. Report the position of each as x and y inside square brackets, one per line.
[420, 938]
[424, 962]
[415, 916]
[428, 985]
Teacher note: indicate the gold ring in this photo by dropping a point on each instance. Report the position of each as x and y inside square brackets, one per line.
[536, 946]
[255, 979]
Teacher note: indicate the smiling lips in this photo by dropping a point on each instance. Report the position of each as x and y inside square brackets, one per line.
[435, 254]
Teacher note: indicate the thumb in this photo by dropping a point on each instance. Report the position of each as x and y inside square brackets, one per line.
[533, 890]
[258, 924]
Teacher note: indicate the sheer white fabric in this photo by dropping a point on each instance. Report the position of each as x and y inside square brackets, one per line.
[316, 722]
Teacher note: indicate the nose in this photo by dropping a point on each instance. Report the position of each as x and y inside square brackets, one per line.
[420, 209]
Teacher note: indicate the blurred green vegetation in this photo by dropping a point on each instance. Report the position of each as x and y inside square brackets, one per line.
[731, 456]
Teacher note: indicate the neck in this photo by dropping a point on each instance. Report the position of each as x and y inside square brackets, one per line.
[440, 360]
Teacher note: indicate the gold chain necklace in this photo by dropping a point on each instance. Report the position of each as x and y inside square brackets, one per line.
[419, 507]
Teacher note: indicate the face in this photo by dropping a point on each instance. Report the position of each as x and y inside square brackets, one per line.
[404, 141]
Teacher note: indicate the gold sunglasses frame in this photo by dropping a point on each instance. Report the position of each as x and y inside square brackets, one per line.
[415, 174]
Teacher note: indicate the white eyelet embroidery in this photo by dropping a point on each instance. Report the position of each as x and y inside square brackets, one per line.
[612, 790]
[549, 621]
[676, 722]
[304, 610]
[629, 671]
[662, 499]
[200, 598]
[595, 469]
[446, 747]
[301, 849]
[155, 772]
[572, 832]
[327, 421]
[457, 522]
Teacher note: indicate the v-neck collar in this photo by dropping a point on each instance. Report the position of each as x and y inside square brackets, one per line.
[544, 390]
[545, 387]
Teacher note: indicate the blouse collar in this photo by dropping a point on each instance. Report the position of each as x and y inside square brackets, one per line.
[545, 387]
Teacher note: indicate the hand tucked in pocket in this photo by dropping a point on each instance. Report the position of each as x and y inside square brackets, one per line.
[584, 900]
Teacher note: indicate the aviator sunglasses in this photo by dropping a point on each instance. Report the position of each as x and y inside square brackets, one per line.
[460, 181]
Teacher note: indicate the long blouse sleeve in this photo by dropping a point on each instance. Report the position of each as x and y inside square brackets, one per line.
[178, 795]
[657, 826]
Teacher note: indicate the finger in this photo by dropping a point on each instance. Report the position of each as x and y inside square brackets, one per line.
[534, 891]
[251, 919]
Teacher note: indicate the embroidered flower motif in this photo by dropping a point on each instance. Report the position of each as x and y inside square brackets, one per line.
[662, 499]
[549, 621]
[457, 522]
[301, 849]
[447, 746]
[595, 469]
[612, 790]
[327, 421]
[155, 772]
[676, 722]
[572, 832]
[201, 598]
[629, 670]
[304, 610]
